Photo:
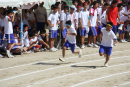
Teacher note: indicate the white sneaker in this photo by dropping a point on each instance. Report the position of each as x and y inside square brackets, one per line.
[124, 41]
[97, 43]
[52, 49]
[1, 56]
[80, 53]
[89, 45]
[55, 48]
[68, 48]
[11, 56]
[105, 64]
[62, 59]
[82, 47]
[8, 53]
[95, 46]
[76, 47]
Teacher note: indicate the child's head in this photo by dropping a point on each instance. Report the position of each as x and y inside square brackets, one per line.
[72, 8]
[43, 33]
[16, 27]
[35, 32]
[25, 28]
[66, 9]
[114, 4]
[63, 4]
[85, 4]
[75, 2]
[58, 4]
[68, 24]
[15, 32]
[120, 6]
[109, 26]
[52, 6]
[106, 6]
[55, 7]
[31, 35]
[9, 11]
[78, 7]
[95, 4]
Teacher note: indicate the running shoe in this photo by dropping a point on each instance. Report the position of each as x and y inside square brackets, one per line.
[82, 47]
[62, 59]
[89, 45]
[95, 46]
[80, 53]
[105, 64]
[52, 50]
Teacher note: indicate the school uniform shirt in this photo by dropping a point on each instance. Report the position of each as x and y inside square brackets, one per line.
[63, 18]
[8, 27]
[84, 16]
[71, 17]
[107, 38]
[25, 39]
[77, 18]
[40, 14]
[93, 17]
[71, 38]
[120, 14]
[100, 12]
[53, 18]
[126, 10]
[34, 40]
[103, 17]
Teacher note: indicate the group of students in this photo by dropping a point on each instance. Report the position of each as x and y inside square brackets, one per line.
[99, 21]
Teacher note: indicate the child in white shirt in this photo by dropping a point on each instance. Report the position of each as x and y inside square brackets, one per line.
[70, 41]
[108, 39]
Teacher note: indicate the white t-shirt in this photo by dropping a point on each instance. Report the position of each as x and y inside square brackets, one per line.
[1, 23]
[126, 11]
[93, 17]
[25, 39]
[77, 18]
[71, 38]
[8, 27]
[40, 14]
[34, 40]
[84, 18]
[40, 38]
[107, 38]
[103, 17]
[63, 18]
[53, 18]
[99, 14]
[71, 17]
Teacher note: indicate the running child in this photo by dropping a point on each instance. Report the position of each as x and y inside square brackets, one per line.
[108, 39]
[70, 41]
[84, 21]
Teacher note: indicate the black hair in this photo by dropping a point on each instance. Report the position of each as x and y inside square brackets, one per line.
[14, 8]
[113, 2]
[55, 6]
[84, 3]
[15, 31]
[95, 2]
[15, 26]
[30, 34]
[57, 3]
[119, 5]
[66, 7]
[52, 5]
[68, 22]
[74, 1]
[35, 31]
[63, 2]
[25, 25]
[106, 4]
[129, 3]
[9, 11]
[42, 31]
[110, 23]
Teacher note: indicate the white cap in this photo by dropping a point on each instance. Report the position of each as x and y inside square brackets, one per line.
[72, 7]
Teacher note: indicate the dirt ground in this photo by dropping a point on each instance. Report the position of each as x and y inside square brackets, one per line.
[43, 69]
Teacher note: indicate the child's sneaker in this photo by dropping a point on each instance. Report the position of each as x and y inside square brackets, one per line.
[1, 56]
[80, 53]
[62, 59]
[124, 40]
[95, 46]
[11, 56]
[68, 48]
[89, 45]
[105, 64]
[52, 49]
[82, 47]
[8, 53]
[76, 47]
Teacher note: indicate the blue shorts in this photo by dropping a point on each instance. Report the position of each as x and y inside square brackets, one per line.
[72, 46]
[92, 31]
[14, 47]
[99, 28]
[103, 49]
[40, 26]
[119, 31]
[83, 32]
[114, 29]
[10, 38]
[64, 33]
[103, 25]
[1, 38]
[53, 33]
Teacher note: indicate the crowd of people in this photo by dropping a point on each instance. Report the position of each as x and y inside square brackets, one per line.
[75, 22]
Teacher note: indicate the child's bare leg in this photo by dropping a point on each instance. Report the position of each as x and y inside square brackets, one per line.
[76, 52]
[120, 37]
[94, 39]
[107, 58]
[82, 40]
[101, 54]
[52, 42]
[17, 50]
[63, 51]
[123, 36]
[10, 46]
[64, 40]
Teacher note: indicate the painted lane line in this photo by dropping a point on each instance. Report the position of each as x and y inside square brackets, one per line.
[57, 68]
[100, 78]
[53, 60]
[74, 74]
[122, 84]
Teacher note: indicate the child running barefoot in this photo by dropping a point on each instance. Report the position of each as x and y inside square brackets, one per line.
[107, 42]
[70, 41]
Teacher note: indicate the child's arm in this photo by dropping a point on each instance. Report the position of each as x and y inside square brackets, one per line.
[72, 34]
[12, 20]
[107, 15]
[81, 23]
[50, 23]
[115, 41]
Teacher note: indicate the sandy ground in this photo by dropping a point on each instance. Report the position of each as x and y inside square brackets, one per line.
[43, 69]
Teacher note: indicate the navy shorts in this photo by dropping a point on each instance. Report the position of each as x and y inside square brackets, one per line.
[103, 49]
[72, 46]
[10, 38]
[64, 33]
[119, 31]
[53, 33]
[92, 31]
[14, 47]
[114, 29]
[99, 28]
[1, 38]
[83, 32]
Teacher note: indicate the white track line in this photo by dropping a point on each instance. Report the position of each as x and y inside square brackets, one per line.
[122, 84]
[52, 60]
[56, 68]
[100, 78]
[75, 74]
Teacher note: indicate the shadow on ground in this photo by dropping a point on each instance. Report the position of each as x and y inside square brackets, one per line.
[41, 63]
[86, 66]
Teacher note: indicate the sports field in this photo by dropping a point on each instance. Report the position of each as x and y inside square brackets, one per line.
[43, 69]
